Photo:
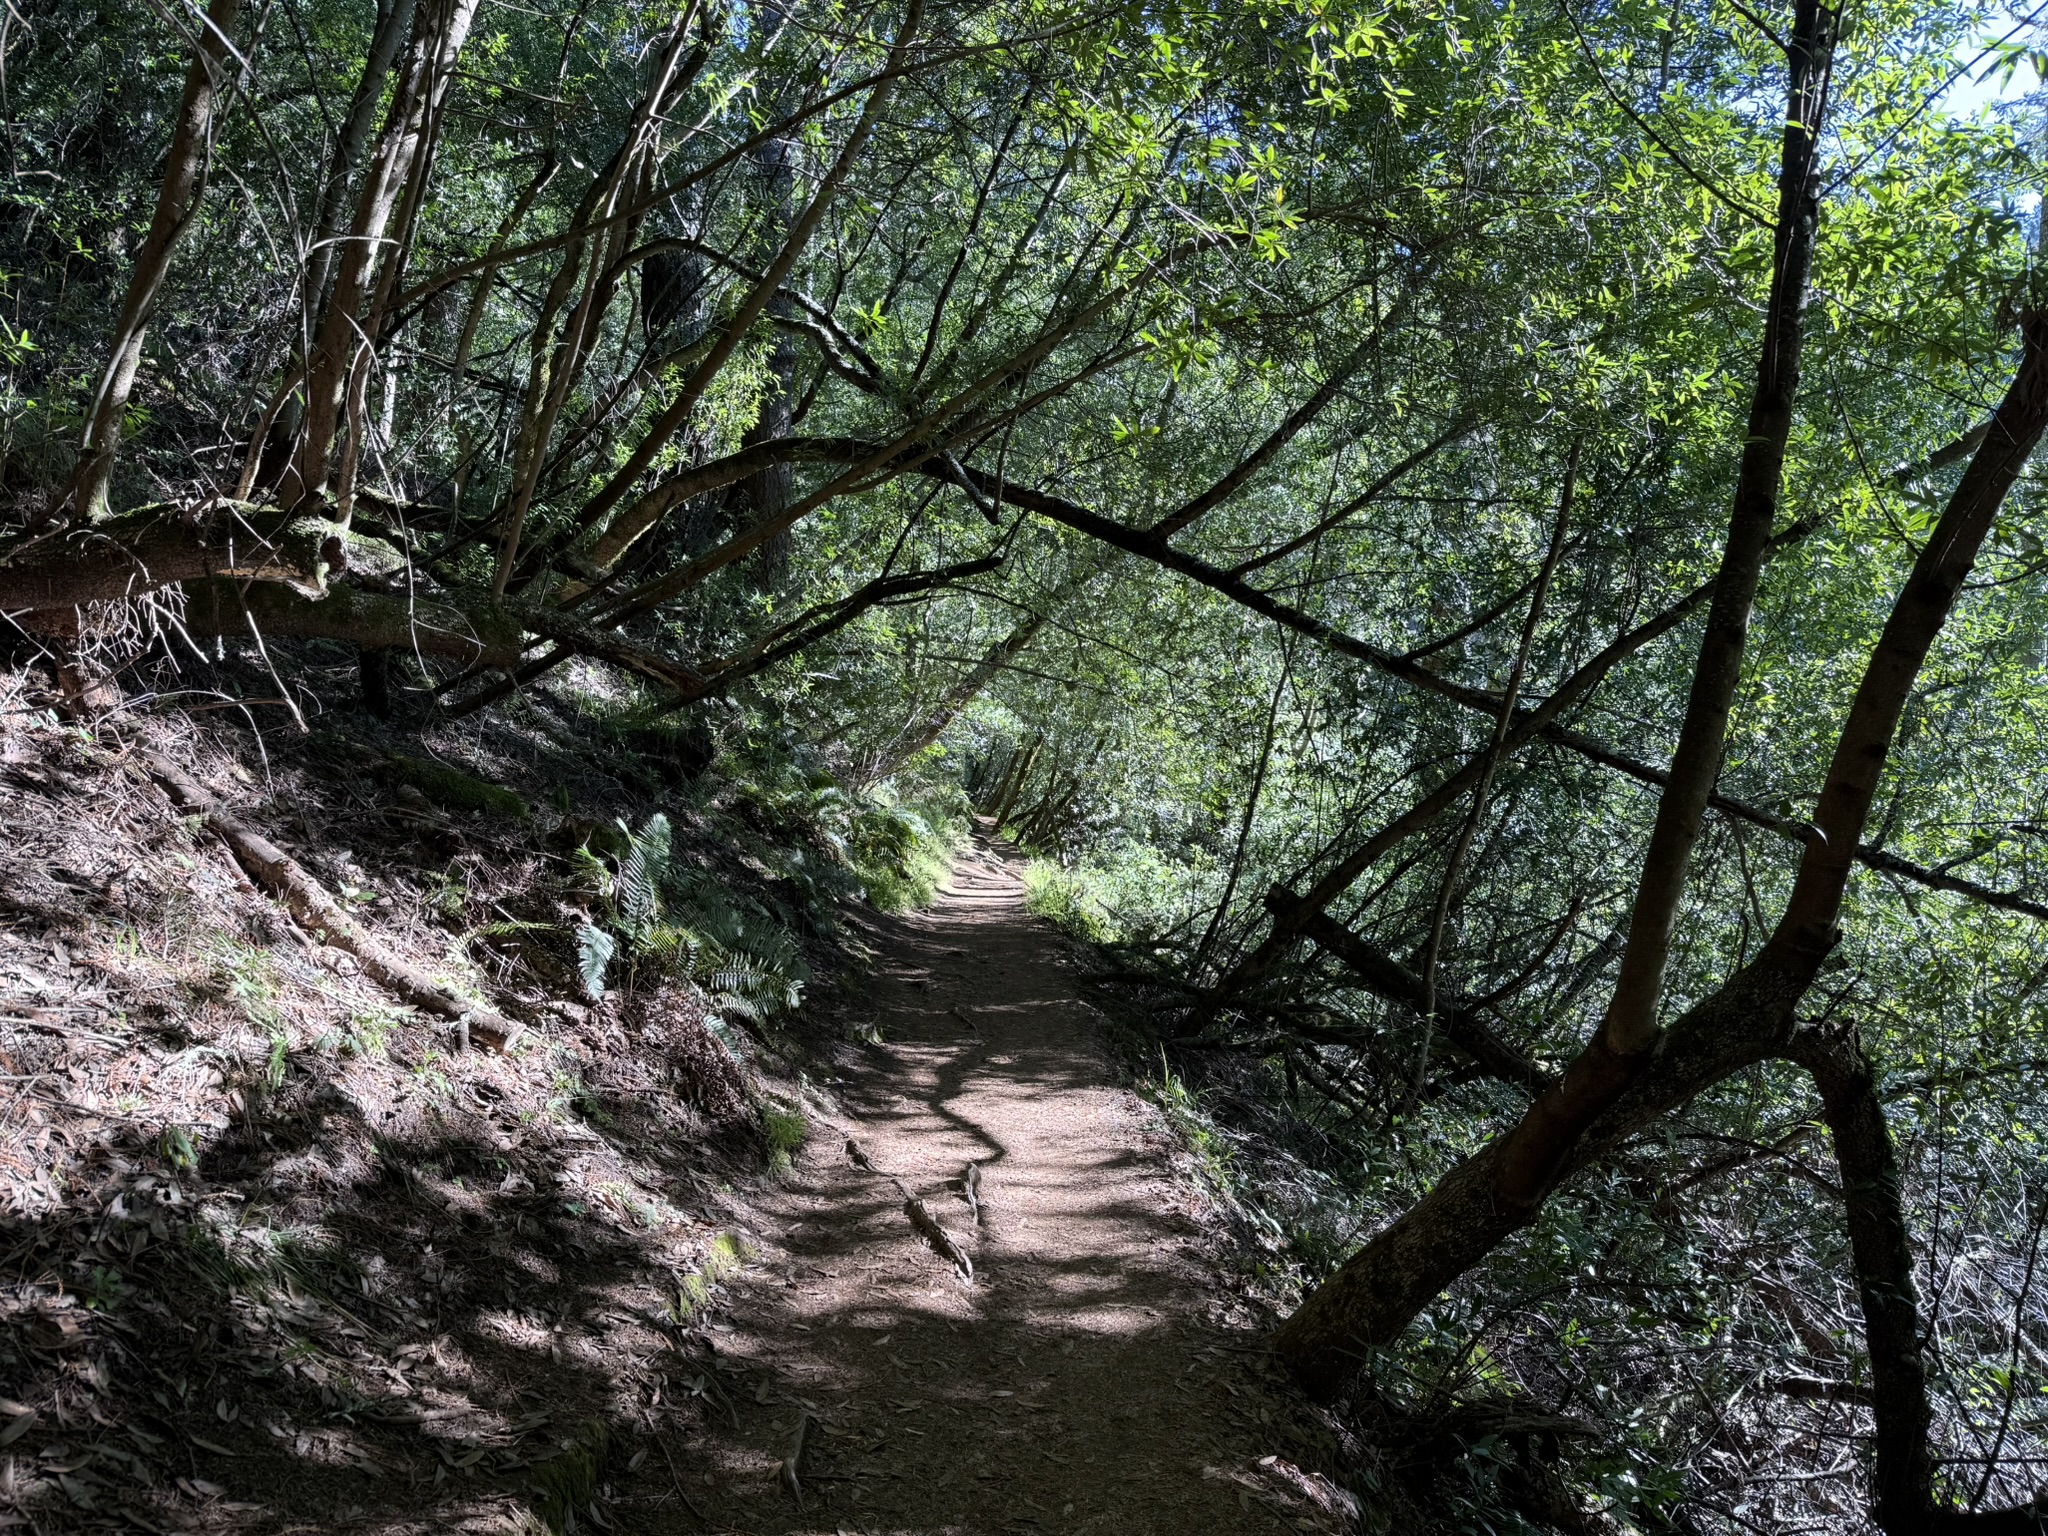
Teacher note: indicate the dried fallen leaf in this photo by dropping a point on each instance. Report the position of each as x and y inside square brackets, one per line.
[21, 1426]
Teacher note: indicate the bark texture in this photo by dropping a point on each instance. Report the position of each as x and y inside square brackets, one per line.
[178, 200]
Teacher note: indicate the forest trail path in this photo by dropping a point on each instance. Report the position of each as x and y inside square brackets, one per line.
[1079, 1383]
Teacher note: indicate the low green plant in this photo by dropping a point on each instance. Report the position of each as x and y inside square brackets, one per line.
[1067, 899]
[663, 913]
[177, 1149]
[900, 857]
[567, 1482]
[105, 1289]
[787, 1131]
[368, 1031]
[249, 979]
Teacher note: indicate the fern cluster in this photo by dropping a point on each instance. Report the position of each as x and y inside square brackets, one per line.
[663, 913]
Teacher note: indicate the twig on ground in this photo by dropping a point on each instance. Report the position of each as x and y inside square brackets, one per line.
[921, 1218]
[792, 1464]
[677, 1478]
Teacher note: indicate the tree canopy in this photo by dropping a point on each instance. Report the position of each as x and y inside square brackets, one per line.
[1492, 551]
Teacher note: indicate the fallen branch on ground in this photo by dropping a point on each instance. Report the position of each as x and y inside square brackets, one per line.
[278, 873]
[921, 1217]
[941, 1240]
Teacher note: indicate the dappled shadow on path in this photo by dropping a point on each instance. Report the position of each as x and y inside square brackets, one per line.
[1081, 1382]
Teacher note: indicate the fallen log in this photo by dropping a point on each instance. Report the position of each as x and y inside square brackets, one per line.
[474, 634]
[278, 873]
[43, 579]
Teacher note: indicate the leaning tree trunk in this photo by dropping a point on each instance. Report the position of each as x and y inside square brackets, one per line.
[1484, 1200]
[1628, 1032]
[764, 495]
[394, 20]
[178, 200]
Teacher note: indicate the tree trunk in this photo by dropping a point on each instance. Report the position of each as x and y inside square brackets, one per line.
[558, 362]
[1902, 1464]
[439, 29]
[177, 201]
[1629, 1029]
[1375, 1295]
[394, 20]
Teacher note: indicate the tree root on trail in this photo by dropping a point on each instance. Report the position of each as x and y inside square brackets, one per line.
[279, 874]
[921, 1218]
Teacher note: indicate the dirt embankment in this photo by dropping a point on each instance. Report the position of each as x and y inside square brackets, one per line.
[278, 1255]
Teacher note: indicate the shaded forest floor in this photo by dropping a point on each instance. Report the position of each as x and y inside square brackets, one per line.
[278, 1256]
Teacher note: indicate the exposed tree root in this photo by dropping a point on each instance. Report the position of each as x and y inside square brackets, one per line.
[279, 874]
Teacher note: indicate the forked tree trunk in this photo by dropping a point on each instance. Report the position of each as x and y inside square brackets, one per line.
[178, 200]
[1481, 1202]
[439, 29]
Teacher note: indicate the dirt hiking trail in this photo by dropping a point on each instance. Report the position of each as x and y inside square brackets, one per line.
[1084, 1380]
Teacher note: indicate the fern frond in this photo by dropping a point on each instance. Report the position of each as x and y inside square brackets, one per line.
[594, 951]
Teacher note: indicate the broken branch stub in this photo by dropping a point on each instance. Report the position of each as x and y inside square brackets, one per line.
[970, 1186]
